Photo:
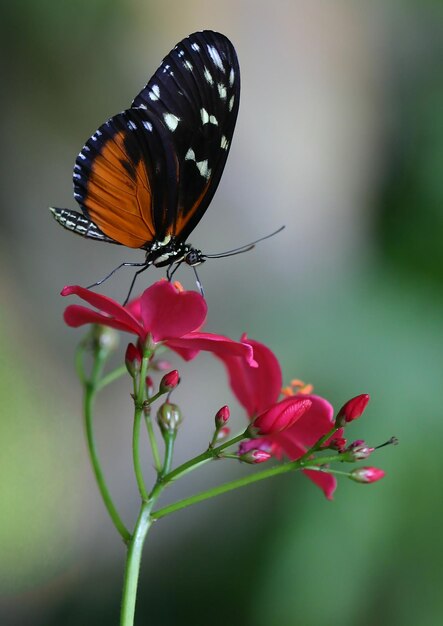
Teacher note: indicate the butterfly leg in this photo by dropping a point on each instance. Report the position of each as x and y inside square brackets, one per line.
[170, 272]
[102, 280]
[145, 267]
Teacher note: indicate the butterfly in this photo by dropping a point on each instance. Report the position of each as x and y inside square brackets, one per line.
[147, 175]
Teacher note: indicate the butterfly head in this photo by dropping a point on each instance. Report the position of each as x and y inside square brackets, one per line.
[194, 257]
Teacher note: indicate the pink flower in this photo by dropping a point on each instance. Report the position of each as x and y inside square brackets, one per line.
[258, 391]
[166, 313]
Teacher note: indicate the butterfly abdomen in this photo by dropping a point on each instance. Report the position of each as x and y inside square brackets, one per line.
[79, 224]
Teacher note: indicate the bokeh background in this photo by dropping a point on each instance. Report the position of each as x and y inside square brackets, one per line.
[340, 137]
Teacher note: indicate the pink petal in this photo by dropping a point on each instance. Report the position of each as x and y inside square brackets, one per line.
[325, 481]
[221, 346]
[312, 425]
[169, 313]
[104, 304]
[256, 389]
[282, 415]
[76, 315]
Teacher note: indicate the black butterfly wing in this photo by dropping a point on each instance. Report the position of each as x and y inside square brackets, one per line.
[195, 94]
[151, 171]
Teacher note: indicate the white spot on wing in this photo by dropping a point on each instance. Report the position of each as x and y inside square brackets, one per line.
[154, 94]
[213, 53]
[224, 143]
[195, 47]
[203, 168]
[188, 65]
[147, 125]
[131, 125]
[171, 121]
[231, 103]
[206, 118]
[204, 115]
[231, 76]
[208, 76]
[190, 155]
[222, 91]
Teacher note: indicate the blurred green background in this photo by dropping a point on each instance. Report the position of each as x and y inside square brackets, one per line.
[340, 137]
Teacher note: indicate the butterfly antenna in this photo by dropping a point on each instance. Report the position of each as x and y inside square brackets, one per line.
[102, 280]
[241, 249]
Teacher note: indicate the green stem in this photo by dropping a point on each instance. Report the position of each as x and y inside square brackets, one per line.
[136, 453]
[132, 568]
[139, 399]
[111, 377]
[169, 453]
[200, 459]
[90, 391]
[152, 439]
[317, 446]
[241, 482]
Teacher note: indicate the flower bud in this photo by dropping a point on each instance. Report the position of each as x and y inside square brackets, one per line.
[169, 381]
[280, 416]
[339, 444]
[169, 418]
[161, 365]
[366, 474]
[222, 417]
[103, 338]
[352, 409]
[255, 456]
[222, 433]
[133, 360]
[359, 452]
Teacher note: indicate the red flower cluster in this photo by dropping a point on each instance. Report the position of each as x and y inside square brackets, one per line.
[287, 427]
[279, 427]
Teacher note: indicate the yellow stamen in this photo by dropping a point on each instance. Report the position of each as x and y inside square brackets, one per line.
[178, 286]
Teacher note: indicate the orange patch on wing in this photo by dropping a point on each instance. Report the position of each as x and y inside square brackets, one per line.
[182, 219]
[119, 203]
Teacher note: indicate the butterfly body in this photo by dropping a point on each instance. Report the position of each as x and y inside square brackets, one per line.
[145, 178]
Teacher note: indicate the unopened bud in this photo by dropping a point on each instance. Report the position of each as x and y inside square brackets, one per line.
[222, 433]
[133, 360]
[169, 418]
[103, 338]
[352, 409]
[255, 456]
[359, 452]
[161, 365]
[222, 417]
[366, 474]
[169, 381]
[339, 444]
